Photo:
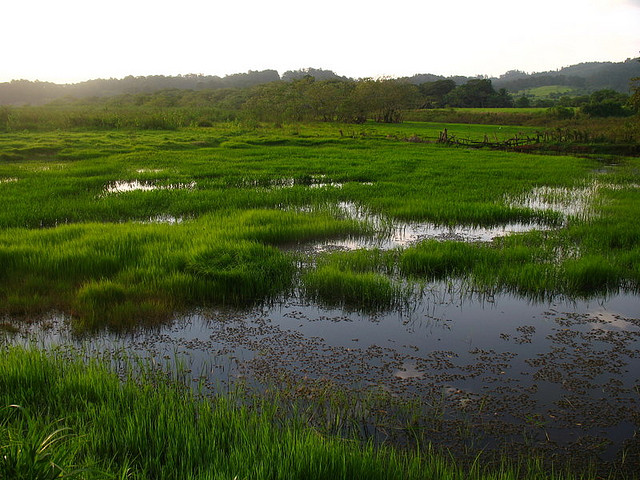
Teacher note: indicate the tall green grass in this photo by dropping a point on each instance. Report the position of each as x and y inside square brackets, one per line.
[91, 424]
[123, 274]
[68, 243]
[333, 286]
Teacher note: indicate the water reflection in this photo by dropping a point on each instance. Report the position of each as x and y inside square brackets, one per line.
[393, 234]
[123, 186]
[540, 368]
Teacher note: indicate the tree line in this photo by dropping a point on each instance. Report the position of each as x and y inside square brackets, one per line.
[310, 99]
[301, 99]
[586, 78]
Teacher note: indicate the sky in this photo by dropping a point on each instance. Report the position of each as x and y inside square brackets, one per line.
[69, 41]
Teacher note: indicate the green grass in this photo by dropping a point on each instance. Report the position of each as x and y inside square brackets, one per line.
[81, 420]
[109, 274]
[546, 91]
[333, 286]
[225, 205]
[232, 204]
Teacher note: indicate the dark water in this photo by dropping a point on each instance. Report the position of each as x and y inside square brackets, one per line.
[562, 374]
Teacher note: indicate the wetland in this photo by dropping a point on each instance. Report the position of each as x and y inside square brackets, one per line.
[479, 301]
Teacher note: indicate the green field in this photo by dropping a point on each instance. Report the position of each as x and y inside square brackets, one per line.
[547, 91]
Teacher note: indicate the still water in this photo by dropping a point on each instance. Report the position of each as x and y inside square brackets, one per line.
[558, 374]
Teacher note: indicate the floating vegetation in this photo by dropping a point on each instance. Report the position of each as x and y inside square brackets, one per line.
[474, 372]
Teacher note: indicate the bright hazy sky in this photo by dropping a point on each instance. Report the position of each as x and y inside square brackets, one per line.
[68, 41]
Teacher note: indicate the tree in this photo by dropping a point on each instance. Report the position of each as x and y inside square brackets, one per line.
[478, 92]
[384, 100]
[328, 100]
[634, 100]
[317, 73]
[606, 103]
[267, 102]
[5, 116]
[435, 93]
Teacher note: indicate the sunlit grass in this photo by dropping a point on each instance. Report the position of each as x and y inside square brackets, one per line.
[123, 274]
[226, 205]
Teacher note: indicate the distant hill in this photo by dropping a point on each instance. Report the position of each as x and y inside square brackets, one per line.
[586, 77]
[581, 78]
[21, 92]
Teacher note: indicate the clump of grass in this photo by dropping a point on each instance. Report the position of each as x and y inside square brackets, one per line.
[360, 279]
[591, 274]
[437, 260]
[333, 286]
[242, 271]
[117, 306]
[531, 280]
[365, 260]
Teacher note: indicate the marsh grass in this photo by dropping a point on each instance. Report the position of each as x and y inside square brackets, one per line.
[31, 449]
[145, 426]
[67, 245]
[333, 286]
[361, 279]
[131, 273]
[409, 181]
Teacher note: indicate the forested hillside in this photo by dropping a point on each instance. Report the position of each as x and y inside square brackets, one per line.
[589, 76]
[583, 78]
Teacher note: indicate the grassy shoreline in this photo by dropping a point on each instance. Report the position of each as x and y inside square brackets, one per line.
[82, 418]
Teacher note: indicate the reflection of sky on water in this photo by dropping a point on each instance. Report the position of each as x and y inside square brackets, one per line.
[464, 346]
[393, 233]
[124, 186]
[576, 202]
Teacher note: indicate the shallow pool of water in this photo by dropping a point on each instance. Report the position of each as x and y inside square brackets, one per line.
[394, 233]
[550, 374]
